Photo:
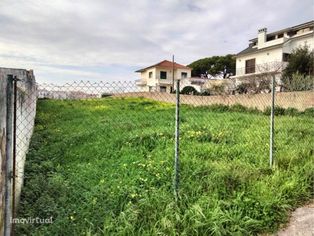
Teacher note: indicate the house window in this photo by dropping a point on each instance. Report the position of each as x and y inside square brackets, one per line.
[280, 36]
[184, 75]
[163, 75]
[163, 89]
[250, 66]
[285, 56]
[150, 74]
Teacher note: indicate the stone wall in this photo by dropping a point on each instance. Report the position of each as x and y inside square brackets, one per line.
[26, 110]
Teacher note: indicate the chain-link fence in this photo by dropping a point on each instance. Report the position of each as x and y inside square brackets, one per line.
[105, 158]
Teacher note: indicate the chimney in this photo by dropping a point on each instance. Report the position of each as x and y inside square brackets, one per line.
[261, 37]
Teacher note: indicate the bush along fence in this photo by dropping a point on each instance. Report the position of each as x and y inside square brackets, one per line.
[106, 158]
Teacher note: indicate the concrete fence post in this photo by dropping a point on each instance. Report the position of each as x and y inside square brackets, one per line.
[8, 158]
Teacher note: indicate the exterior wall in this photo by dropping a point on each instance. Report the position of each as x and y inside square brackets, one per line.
[26, 109]
[268, 52]
[299, 41]
[261, 57]
[261, 37]
[144, 88]
[187, 82]
[169, 75]
[179, 71]
[168, 88]
[3, 86]
[271, 43]
[154, 83]
[145, 77]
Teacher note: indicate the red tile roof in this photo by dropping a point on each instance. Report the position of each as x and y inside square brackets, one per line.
[165, 64]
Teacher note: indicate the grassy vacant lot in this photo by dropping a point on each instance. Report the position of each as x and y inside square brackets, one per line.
[105, 168]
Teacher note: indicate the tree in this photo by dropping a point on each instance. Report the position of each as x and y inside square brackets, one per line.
[213, 65]
[300, 61]
[299, 73]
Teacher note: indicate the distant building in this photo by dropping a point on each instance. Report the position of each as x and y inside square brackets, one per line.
[60, 94]
[269, 52]
[159, 77]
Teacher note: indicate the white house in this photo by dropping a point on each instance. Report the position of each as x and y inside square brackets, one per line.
[160, 77]
[64, 94]
[269, 52]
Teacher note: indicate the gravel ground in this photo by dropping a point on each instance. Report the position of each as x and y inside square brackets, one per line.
[301, 222]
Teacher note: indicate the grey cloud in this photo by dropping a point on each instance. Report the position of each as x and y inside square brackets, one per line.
[136, 33]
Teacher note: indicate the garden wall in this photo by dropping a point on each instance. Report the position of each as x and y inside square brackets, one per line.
[26, 109]
[299, 100]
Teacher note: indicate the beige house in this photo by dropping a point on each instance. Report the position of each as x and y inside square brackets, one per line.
[160, 77]
[269, 52]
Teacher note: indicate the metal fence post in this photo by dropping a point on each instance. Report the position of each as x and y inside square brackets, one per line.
[8, 159]
[271, 141]
[177, 141]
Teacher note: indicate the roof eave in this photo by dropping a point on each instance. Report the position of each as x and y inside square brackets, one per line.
[138, 71]
[259, 50]
[157, 66]
[296, 27]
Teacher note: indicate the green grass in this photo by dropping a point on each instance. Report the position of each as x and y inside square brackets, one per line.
[105, 167]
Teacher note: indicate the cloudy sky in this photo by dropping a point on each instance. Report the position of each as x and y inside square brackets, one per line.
[67, 40]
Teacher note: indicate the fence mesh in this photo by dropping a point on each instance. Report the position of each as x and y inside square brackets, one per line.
[101, 157]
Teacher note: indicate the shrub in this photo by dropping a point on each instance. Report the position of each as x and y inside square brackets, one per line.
[205, 93]
[264, 84]
[219, 107]
[300, 61]
[247, 87]
[218, 89]
[103, 95]
[298, 75]
[254, 85]
[290, 111]
[189, 90]
[298, 82]
[238, 108]
[309, 111]
[241, 88]
[278, 111]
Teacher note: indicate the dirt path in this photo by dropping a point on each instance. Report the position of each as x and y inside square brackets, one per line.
[301, 222]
